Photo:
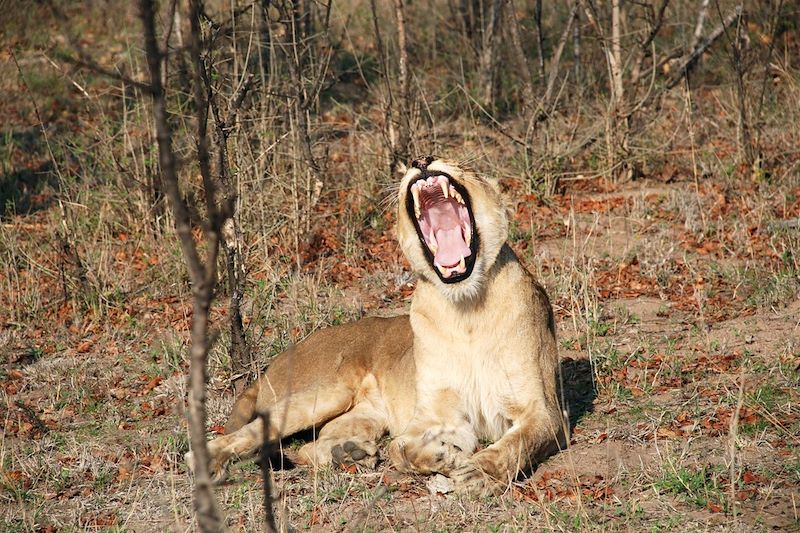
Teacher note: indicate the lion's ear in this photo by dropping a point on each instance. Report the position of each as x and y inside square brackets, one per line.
[400, 170]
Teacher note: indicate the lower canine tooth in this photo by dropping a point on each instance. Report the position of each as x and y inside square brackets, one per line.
[462, 264]
[468, 236]
[415, 194]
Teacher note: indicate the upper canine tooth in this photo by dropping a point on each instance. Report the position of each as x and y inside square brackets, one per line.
[415, 194]
[445, 191]
[468, 235]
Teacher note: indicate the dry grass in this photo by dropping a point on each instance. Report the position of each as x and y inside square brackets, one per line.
[676, 294]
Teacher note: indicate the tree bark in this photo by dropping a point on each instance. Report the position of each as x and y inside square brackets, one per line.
[615, 57]
[555, 62]
[404, 97]
[537, 15]
[202, 275]
[487, 63]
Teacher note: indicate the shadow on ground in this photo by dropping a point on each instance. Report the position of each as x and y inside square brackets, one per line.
[578, 389]
[22, 186]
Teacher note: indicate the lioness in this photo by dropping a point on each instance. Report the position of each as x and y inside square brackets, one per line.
[475, 361]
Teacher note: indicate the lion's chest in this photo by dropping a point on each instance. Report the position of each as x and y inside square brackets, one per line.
[485, 362]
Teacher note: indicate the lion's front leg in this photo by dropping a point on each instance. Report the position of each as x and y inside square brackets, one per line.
[439, 439]
[491, 470]
[439, 449]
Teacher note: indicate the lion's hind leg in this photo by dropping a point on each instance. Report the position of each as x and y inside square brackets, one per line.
[349, 439]
[298, 411]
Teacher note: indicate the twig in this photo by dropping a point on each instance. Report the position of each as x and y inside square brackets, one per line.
[65, 237]
[656, 22]
[37, 422]
[494, 121]
[733, 433]
[85, 62]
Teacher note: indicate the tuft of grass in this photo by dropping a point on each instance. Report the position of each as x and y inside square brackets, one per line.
[698, 486]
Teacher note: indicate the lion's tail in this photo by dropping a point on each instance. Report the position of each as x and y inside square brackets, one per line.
[244, 410]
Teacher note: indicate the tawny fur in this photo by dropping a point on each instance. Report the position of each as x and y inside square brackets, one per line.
[474, 361]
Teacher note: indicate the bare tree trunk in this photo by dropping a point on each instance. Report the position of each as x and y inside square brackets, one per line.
[616, 119]
[689, 61]
[241, 357]
[698, 28]
[470, 10]
[576, 46]
[615, 58]
[300, 100]
[537, 16]
[522, 61]
[202, 273]
[747, 150]
[655, 20]
[390, 132]
[265, 42]
[306, 193]
[404, 124]
[487, 62]
[554, 63]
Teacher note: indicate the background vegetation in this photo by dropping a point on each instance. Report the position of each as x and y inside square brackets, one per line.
[648, 152]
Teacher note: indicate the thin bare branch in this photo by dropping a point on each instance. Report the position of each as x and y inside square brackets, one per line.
[556, 61]
[688, 63]
[202, 276]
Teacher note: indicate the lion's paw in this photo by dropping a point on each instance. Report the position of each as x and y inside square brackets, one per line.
[217, 469]
[355, 452]
[426, 455]
[470, 479]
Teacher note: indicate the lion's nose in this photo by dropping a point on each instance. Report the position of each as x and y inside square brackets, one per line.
[422, 162]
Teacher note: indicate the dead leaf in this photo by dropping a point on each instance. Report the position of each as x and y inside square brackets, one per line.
[84, 346]
[440, 484]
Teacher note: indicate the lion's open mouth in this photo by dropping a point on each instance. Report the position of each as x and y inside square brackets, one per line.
[442, 214]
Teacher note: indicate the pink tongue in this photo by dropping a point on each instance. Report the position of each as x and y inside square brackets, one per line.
[451, 247]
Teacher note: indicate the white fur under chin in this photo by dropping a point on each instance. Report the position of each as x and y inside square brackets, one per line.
[463, 291]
